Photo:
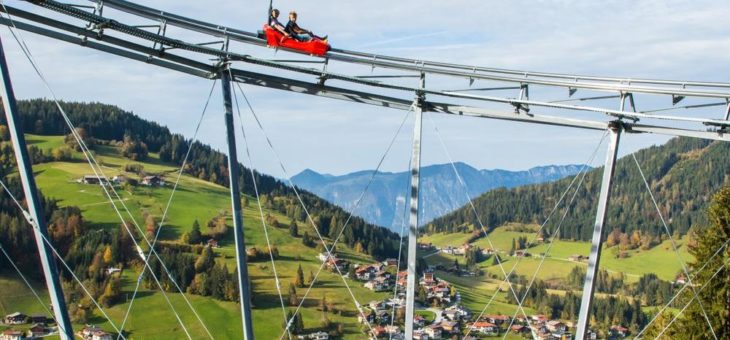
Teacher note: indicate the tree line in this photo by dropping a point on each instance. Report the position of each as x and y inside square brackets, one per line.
[683, 174]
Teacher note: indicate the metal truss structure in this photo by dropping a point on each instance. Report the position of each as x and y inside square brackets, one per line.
[705, 105]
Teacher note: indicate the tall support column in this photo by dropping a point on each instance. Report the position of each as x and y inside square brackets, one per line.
[35, 209]
[596, 243]
[233, 175]
[413, 220]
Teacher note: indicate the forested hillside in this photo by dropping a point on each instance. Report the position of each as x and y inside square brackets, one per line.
[109, 123]
[683, 174]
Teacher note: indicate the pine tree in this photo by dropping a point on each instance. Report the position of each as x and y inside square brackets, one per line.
[205, 260]
[513, 247]
[194, 236]
[299, 280]
[715, 295]
[323, 302]
[294, 229]
[293, 299]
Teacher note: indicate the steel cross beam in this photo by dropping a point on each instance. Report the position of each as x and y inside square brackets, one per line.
[413, 219]
[35, 208]
[233, 176]
[596, 242]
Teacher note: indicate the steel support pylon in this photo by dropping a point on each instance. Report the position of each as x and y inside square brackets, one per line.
[596, 243]
[413, 219]
[233, 175]
[35, 209]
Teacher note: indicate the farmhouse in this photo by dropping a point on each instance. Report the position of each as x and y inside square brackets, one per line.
[90, 179]
[497, 319]
[576, 258]
[16, 318]
[153, 181]
[486, 328]
[619, 330]
[91, 332]
[12, 335]
[37, 331]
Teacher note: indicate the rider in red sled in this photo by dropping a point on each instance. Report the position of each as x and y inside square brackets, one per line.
[295, 38]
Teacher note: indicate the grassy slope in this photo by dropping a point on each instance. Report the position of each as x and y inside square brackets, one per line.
[194, 199]
[476, 292]
[660, 260]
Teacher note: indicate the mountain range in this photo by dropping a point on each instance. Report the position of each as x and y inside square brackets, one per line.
[441, 191]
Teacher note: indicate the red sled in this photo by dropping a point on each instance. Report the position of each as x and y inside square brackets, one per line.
[315, 46]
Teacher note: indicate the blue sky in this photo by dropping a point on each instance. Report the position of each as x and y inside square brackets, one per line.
[648, 39]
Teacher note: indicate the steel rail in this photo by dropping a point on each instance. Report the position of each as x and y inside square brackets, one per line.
[189, 66]
[447, 69]
[175, 43]
[526, 74]
[527, 77]
[179, 44]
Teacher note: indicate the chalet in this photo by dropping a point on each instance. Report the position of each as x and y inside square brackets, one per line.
[433, 331]
[419, 321]
[16, 318]
[367, 318]
[213, 243]
[11, 334]
[376, 305]
[460, 311]
[680, 280]
[497, 319]
[618, 330]
[318, 336]
[428, 279]
[448, 250]
[576, 258]
[90, 179]
[425, 246]
[101, 335]
[396, 302]
[451, 315]
[486, 328]
[463, 249]
[539, 318]
[323, 256]
[487, 251]
[521, 320]
[153, 181]
[336, 264]
[379, 331]
[522, 253]
[365, 273]
[120, 179]
[37, 331]
[91, 332]
[420, 334]
[519, 329]
[378, 284]
[383, 316]
[39, 318]
[450, 327]
[401, 278]
[556, 326]
[390, 262]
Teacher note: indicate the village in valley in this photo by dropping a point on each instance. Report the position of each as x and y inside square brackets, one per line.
[20, 326]
[439, 311]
